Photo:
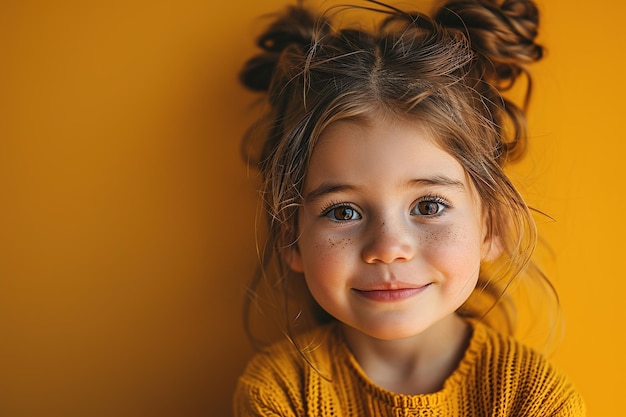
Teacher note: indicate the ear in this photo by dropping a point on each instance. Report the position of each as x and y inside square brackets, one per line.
[293, 257]
[491, 248]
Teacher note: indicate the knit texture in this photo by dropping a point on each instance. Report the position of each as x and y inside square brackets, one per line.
[497, 376]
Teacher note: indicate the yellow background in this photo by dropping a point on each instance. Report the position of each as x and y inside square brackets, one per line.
[126, 214]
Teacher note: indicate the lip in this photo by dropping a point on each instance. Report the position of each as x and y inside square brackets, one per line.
[390, 292]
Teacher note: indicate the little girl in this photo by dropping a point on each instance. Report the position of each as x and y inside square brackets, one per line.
[382, 180]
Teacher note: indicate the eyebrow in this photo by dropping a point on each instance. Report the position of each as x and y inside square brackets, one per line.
[326, 188]
[439, 181]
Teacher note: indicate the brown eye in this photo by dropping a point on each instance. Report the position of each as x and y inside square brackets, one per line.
[430, 207]
[342, 214]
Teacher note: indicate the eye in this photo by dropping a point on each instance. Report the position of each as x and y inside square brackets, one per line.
[430, 207]
[342, 213]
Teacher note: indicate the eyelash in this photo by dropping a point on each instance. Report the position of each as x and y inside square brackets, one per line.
[328, 208]
[431, 198]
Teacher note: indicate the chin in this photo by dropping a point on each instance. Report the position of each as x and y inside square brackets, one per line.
[394, 332]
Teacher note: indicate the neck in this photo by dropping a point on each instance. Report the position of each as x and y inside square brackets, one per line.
[416, 365]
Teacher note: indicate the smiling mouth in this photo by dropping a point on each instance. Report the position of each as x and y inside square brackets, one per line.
[391, 294]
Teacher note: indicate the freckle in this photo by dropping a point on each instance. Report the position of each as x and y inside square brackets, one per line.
[441, 237]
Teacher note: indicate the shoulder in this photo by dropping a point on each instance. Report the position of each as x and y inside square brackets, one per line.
[522, 377]
[274, 378]
[289, 357]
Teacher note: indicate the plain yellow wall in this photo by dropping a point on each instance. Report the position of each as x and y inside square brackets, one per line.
[127, 217]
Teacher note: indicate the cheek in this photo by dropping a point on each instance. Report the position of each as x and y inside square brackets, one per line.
[326, 268]
[330, 248]
[323, 254]
[454, 249]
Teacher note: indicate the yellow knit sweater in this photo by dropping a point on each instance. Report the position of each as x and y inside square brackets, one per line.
[496, 377]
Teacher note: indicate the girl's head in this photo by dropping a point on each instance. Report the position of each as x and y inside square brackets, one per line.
[441, 77]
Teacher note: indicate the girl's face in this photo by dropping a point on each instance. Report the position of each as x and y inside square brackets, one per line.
[391, 232]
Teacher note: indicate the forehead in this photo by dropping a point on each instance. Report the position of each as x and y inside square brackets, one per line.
[382, 148]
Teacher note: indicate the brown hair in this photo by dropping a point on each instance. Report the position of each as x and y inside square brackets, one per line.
[447, 72]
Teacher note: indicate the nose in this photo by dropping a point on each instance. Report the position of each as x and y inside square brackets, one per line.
[389, 242]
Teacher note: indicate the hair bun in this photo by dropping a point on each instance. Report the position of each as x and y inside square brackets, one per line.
[502, 34]
[295, 28]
